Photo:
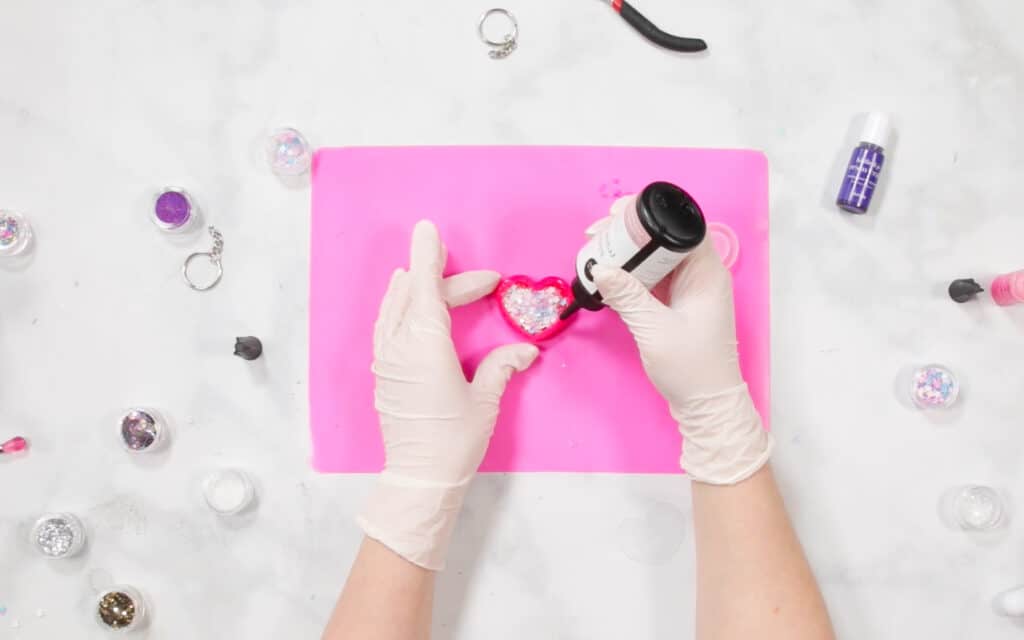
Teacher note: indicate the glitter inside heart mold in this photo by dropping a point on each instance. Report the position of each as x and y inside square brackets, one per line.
[532, 307]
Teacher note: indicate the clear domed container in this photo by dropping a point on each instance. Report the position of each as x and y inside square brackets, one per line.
[174, 210]
[934, 386]
[978, 508]
[120, 609]
[58, 535]
[228, 491]
[288, 153]
[15, 233]
[142, 430]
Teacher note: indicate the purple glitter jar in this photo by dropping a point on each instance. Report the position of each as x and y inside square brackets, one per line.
[141, 430]
[173, 209]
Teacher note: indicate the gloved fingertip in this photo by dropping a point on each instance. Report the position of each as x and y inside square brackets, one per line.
[396, 275]
[527, 355]
[622, 292]
[487, 280]
[606, 277]
[468, 286]
[498, 367]
[520, 357]
[426, 254]
[424, 226]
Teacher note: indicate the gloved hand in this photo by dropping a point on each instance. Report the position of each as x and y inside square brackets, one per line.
[689, 351]
[436, 426]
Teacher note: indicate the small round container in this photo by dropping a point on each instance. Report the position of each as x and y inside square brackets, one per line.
[141, 430]
[1010, 603]
[227, 491]
[15, 233]
[934, 387]
[978, 508]
[288, 153]
[58, 535]
[174, 210]
[120, 608]
[725, 242]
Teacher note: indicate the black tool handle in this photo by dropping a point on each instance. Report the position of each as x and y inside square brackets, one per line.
[654, 34]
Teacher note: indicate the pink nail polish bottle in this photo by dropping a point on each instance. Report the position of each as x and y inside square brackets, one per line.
[1008, 289]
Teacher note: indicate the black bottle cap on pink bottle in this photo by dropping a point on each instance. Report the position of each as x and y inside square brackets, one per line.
[964, 289]
[248, 348]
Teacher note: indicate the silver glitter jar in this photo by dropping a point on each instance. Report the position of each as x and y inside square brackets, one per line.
[120, 609]
[58, 535]
[142, 430]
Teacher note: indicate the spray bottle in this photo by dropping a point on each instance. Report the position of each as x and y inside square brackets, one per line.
[649, 239]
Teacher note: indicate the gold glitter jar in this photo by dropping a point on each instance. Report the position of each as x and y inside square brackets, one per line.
[120, 608]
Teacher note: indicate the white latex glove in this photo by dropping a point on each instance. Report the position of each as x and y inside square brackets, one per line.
[436, 426]
[689, 351]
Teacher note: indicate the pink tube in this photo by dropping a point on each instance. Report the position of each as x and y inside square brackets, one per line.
[1008, 289]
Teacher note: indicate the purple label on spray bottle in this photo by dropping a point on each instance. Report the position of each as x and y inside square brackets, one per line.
[861, 178]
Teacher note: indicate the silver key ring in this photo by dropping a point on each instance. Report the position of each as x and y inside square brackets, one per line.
[214, 256]
[210, 285]
[502, 48]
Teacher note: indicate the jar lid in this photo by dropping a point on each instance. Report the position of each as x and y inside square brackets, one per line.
[671, 216]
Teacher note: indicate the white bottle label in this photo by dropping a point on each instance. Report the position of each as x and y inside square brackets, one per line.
[617, 244]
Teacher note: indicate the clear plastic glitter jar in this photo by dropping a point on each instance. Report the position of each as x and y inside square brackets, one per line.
[288, 153]
[15, 233]
[120, 608]
[58, 535]
[141, 430]
[227, 491]
[978, 508]
[934, 386]
[174, 210]
[726, 243]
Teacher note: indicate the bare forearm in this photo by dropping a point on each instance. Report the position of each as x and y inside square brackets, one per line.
[386, 598]
[753, 580]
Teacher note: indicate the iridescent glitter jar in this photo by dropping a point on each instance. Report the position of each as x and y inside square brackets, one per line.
[174, 210]
[120, 608]
[934, 386]
[15, 233]
[288, 153]
[141, 430]
[58, 535]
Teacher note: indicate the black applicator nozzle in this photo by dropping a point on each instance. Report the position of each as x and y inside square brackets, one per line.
[964, 289]
[570, 310]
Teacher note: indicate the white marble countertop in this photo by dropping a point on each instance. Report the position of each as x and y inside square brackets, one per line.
[102, 102]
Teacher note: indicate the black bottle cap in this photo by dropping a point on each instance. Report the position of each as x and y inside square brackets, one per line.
[248, 348]
[964, 289]
[671, 216]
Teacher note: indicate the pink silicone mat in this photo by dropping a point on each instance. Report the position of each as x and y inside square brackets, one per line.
[586, 405]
